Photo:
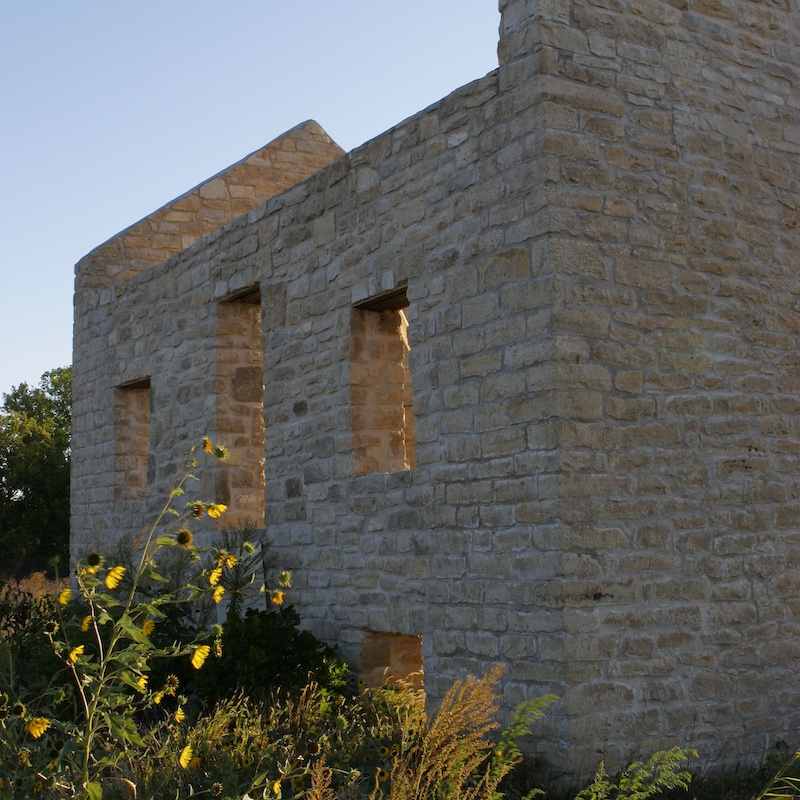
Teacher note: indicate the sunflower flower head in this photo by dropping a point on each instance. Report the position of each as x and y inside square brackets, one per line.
[185, 758]
[76, 653]
[200, 655]
[196, 507]
[93, 562]
[64, 596]
[276, 596]
[148, 626]
[114, 576]
[185, 538]
[86, 622]
[37, 726]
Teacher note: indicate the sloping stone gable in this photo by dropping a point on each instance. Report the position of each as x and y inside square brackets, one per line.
[576, 278]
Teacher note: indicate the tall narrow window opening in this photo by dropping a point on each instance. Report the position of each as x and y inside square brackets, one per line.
[240, 407]
[380, 386]
[132, 468]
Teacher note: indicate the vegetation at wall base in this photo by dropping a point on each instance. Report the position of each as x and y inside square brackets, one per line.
[313, 743]
[255, 709]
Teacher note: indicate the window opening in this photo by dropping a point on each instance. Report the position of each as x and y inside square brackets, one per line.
[391, 658]
[381, 395]
[239, 482]
[132, 467]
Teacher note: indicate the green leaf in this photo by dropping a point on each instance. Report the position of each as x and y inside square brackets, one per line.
[176, 492]
[132, 630]
[165, 541]
[94, 790]
[152, 575]
[124, 729]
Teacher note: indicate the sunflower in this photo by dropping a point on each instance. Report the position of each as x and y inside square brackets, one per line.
[76, 653]
[185, 758]
[37, 726]
[184, 537]
[64, 596]
[114, 576]
[200, 655]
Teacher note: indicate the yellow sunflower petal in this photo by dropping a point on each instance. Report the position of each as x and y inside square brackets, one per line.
[180, 715]
[200, 655]
[64, 596]
[216, 510]
[148, 626]
[214, 576]
[208, 447]
[217, 594]
[185, 758]
[76, 653]
[37, 726]
[87, 621]
[114, 576]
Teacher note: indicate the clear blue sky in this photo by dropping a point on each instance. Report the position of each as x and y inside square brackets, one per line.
[109, 109]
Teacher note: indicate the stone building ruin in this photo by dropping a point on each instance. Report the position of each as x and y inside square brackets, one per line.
[516, 381]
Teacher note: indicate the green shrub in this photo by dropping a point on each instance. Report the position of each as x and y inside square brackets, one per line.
[642, 780]
[264, 651]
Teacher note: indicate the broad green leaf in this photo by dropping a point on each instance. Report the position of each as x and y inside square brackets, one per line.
[165, 541]
[155, 576]
[132, 630]
[176, 492]
[94, 790]
[124, 729]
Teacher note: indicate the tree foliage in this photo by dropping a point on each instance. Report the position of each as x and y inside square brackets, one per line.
[34, 473]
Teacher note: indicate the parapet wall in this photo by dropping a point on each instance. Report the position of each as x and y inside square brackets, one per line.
[284, 162]
[596, 482]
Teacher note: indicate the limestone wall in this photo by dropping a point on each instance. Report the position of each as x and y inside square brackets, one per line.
[596, 244]
[670, 137]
